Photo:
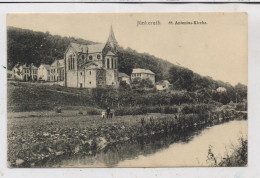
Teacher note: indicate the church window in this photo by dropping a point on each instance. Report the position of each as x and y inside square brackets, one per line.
[112, 63]
[98, 56]
[83, 57]
[90, 83]
[115, 64]
[90, 57]
[73, 63]
[108, 63]
[81, 73]
[89, 72]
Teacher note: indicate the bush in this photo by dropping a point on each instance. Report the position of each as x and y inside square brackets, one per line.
[93, 111]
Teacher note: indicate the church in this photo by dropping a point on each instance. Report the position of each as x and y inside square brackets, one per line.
[92, 66]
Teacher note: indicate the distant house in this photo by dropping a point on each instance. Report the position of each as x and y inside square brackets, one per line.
[143, 74]
[123, 77]
[44, 72]
[163, 85]
[221, 89]
[34, 72]
[17, 72]
[57, 70]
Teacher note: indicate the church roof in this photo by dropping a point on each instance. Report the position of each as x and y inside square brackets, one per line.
[94, 48]
[143, 71]
[110, 53]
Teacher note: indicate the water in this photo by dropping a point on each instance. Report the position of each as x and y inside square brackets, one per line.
[167, 152]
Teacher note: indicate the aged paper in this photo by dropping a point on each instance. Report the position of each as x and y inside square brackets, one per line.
[127, 90]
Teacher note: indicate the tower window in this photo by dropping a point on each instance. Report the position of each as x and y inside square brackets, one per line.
[108, 63]
[89, 72]
[98, 56]
[90, 57]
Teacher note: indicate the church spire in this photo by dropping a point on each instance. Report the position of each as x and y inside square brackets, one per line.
[111, 37]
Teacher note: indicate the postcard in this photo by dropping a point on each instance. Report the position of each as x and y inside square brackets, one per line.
[127, 90]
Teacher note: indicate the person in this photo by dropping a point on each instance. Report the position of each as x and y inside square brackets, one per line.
[108, 112]
[103, 114]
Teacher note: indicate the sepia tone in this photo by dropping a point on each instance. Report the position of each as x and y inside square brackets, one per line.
[127, 90]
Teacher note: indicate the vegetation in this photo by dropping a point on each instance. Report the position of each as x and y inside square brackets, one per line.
[33, 140]
[237, 159]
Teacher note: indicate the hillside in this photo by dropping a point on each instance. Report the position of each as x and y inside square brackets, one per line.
[27, 46]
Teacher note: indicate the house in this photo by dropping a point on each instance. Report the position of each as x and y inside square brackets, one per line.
[25, 72]
[123, 77]
[34, 72]
[163, 85]
[221, 89]
[143, 74]
[57, 70]
[92, 66]
[44, 72]
[17, 72]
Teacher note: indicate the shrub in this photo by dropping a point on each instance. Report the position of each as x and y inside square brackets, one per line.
[93, 111]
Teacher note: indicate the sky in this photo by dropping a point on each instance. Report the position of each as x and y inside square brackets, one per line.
[217, 49]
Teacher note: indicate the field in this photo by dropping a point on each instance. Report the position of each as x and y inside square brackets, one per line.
[39, 133]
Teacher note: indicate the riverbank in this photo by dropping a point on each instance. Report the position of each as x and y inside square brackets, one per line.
[34, 141]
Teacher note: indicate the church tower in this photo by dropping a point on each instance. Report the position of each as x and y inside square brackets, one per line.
[111, 60]
[111, 41]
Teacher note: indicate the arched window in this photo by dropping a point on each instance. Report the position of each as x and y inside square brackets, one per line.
[98, 56]
[112, 63]
[90, 57]
[108, 63]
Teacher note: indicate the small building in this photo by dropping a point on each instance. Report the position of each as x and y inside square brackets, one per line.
[34, 72]
[221, 89]
[143, 74]
[163, 85]
[25, 72]
[17, 72]
[123, 77]
[57, 70]
[44, 72]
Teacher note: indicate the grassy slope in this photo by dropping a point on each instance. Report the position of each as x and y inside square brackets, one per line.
[30, 97]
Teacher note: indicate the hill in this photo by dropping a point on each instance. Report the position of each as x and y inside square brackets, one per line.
[27, 46]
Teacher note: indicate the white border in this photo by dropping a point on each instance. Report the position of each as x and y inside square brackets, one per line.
[254, 85]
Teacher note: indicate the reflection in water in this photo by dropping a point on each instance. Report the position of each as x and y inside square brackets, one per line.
[165, 151]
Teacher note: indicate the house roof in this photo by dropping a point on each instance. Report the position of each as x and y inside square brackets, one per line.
[163, 82]
[94, 48]
[144, 71]
[46, 66]
[120, 74]
[60, 61]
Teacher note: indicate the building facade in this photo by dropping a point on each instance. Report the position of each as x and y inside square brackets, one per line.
[92, 66]
[143, 74]
[57, 70]
[26, 72]
[123, 77]
[44, 72]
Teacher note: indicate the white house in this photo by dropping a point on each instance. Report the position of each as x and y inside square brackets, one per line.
[123, 77]
[44, 72]
[143, 74]
[163, 85]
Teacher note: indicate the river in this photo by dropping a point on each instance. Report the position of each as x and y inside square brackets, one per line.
[166, 152]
